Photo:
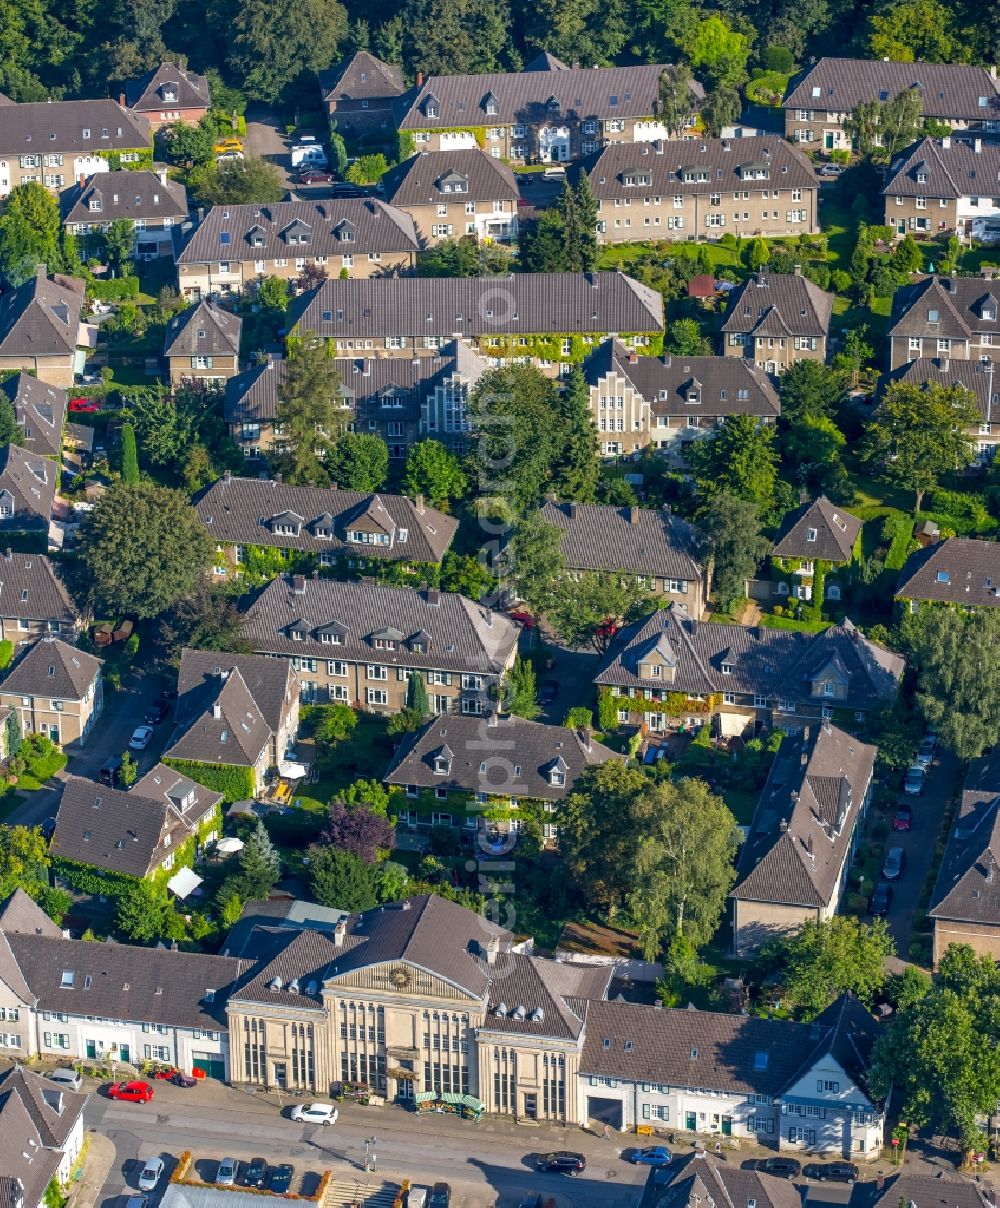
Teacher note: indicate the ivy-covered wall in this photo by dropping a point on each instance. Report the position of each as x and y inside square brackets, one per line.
[262, 563]
[549, 346]
[676, 704]
[234, 783]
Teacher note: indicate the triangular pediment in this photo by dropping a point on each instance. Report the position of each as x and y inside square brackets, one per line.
[400, 977]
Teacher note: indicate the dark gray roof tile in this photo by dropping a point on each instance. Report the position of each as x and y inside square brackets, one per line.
[71, 127]
[50, 667]
[131, 195]
[204, 330]
[41, 317]
[779, 304]
[640, 541]
[418, 181]
[834, 532]
[960, 570]
[31, 587]
[40, 410]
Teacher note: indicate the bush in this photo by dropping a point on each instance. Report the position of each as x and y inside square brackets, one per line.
[234, 783]
[6, 653]
[116, 289]
[579, 717]
[779, 58]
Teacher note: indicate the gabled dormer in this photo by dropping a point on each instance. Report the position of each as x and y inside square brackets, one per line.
[297, 232]
[442, 760]
[556, 771]
[658, 662]
[256, 236]
[692, 391]
[553, 104]
[344, 231]
[95, 203]
[298, 630]
[758, 170]
[7, 504]
[419, 642]
[636, 178]
[452, 182]
[286, 524]
[986, 308]
[322, 527]
[831, 682]
[169, 91]
[333, 633]
[431, 106]
[386, 638]
[490, 105]
[693, 174]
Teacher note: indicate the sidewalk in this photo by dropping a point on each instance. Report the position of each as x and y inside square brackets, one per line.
[100, 1158]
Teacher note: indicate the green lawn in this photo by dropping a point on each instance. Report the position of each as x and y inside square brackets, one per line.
[839, 224]
[770, 621]
[363, 756]
[741, 803]
[314, 798]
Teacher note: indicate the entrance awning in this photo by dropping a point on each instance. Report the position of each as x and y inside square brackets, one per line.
[183, 882]
[424, 1096]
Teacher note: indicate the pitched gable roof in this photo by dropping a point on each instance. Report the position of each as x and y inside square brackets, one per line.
[944, 307]
[40, 411]
[31, 587]
[22, 914]
[978, 377]
[419, 181]
[80, 127]
[952, 167]
[133, 195]
[54, 1110]
[27, 1166]
[50, 667]
[700, 1178]
[204, 330]
[30, 481]
[968, 881]
[271, 682]
[779, 304]
[41, 318]
[148, 93]
[817, 530]
[231, 730]
[362, 77]
[959, 570]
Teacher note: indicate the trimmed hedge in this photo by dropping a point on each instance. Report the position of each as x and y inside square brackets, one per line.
[116, 289]
[234, 783]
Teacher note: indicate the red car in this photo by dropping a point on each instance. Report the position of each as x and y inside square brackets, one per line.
[526, 619]
[84, 404]
[902, 819]
[315, 176]
[132, 1092]
[608, 628]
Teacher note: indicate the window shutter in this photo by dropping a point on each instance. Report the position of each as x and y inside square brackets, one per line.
[645, 1111]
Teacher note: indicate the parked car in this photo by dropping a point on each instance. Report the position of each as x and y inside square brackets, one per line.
[652, 1155]
[832, 170]
[227, 144]
[902, 819]
[130, 1092]
[925, 752]
[141, 737]
[150, 1174]
[315, 176]
[225, 1176]
[229, 157]
[315, 1113]
[440, 1196]
[281, 1178]
[564, 1161]
[834, 1172]
[182, 1079]
[110, 772]
[156, 712]
[781, 1168]
[881, 900]
[524, 618]
[549, 692]
[913, 784]
[346, 189]
[84, 405]
[48, 828]
[255, 1173]
[894, 863]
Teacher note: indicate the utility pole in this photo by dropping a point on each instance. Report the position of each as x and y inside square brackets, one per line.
[369, 1154]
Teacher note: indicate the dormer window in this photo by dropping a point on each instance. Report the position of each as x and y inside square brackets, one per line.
[552, 104]
[557, 778]
[727, 668]
[921, 178]
[491, 105]
[431, 108]
[811, 534]
[442, 765]
[933, 316]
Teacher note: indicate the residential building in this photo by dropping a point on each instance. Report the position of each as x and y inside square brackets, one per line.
[271, 683]
[153, 203]
[813, 546]
[937, 186]
[40, 411]
[346, 529]
[820, 100]
[53, 143]
[965, 903]
[551, 319]
[56, 690]
[702, 188]
[72, 999]
[972, 374]
[776, 319]
[360, 642]
[34, 601]
[958, 1192]
[449, 194]
[793, 866]
[453, 767]
[40, 327]
[960, 570]
[236, 246]
[660, 550]
[796, 1086]
[169, 94]
[28, 484]
[153, 827]
[668, 667]
[954, 317]
[668, 402]
[399, 400]
[202, 346]
[687, 1182]
[549, 113]
[360, 95]
[41, 1135]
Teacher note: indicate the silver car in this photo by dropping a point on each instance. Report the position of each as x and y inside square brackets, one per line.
[150, 1174]
[894, 863]
[225, 1176]
[913, 784]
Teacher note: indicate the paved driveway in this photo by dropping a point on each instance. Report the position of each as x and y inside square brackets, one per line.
[266, 139]
[919, 845]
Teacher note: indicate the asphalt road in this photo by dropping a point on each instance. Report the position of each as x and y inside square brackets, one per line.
[486, 1164]
[266, 139]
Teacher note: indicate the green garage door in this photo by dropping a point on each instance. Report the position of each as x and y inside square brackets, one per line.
[211, 1064]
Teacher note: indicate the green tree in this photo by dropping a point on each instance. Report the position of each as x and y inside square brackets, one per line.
[542, 246]
[809, 389]
[236, 182]
[675, 103]
[829, 958]
[273, 293]
[335, 723]
[142, 549]
[128, 773]
[260, 864]
[118, 243]
[187, 145]
[734, 543]
[11, 432]
[907, 257]
[368, 169]
[340, 879]
[537, 565]
[584, 603]
[881, 129]
[520, 690]
[597, 836]
[467, 576]
[758, 254]
[205, 620]
[434, 472]
[738, 458]
[29, 233]
[811, 453]
[587, 251]
[721, 51]
[911, 30]
[851, 358]
[359, 461]
[582, 31]
[130, 455]
[576, 470]
[464, 257]
[309, 410]
[24, 860]
[919, 433]
[416, 695]
[720, 108]
[684, 864]
[957, 688]
[684, 338]
[141, 911]
[267, 54]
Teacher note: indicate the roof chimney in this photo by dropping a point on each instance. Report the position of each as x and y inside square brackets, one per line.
[340, 933]
[227, 476]
[572, 508]
[419, 505]
[217, 711]
[298, 585]
[633, 515]
[121, 99]
[977, 146]
[420, 79]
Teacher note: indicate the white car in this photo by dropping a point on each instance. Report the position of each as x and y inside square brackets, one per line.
[140, 739]
[150, 1174]
[832, 170]
[315, 1113]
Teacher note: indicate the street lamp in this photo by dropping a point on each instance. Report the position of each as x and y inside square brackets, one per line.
[369, 1154]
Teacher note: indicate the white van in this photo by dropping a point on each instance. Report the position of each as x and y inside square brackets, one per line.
[311, 154]
[554, 174]
[66, 1077]
[986, 230]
